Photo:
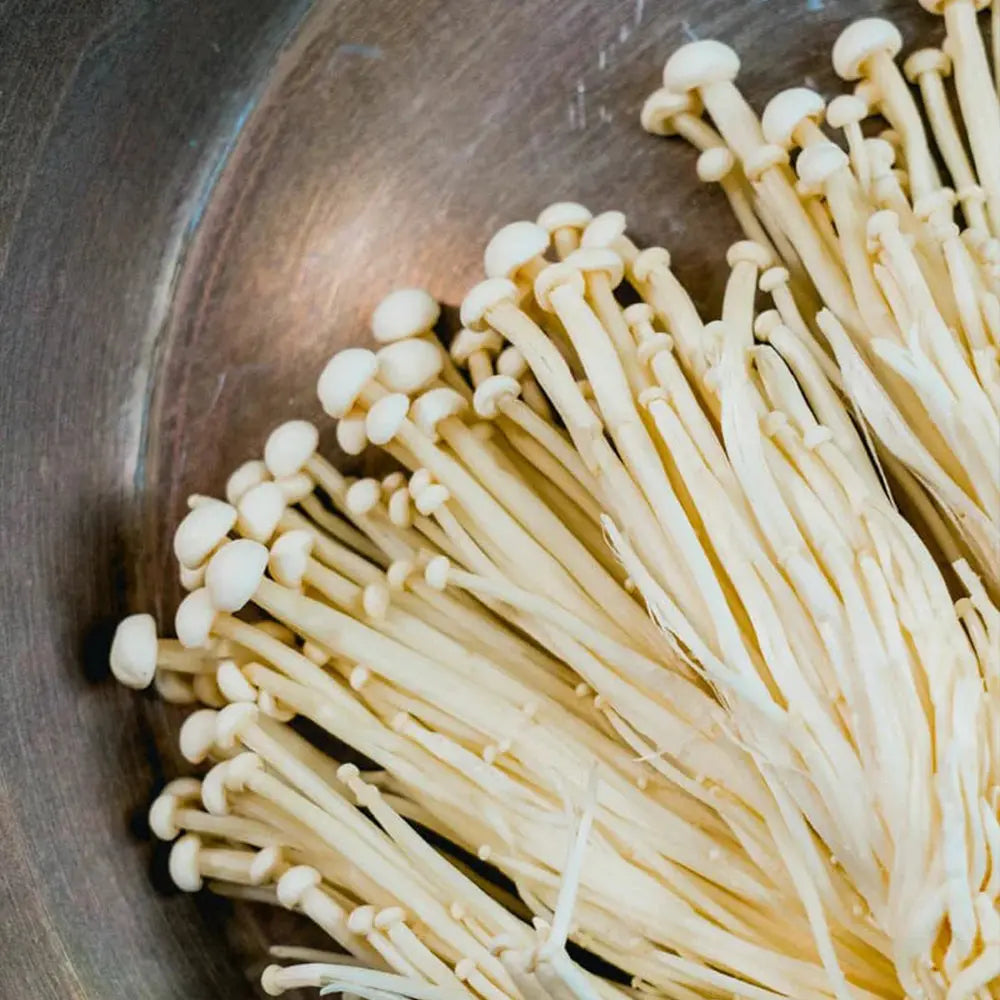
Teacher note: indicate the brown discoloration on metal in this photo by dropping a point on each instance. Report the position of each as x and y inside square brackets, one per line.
[199, 203]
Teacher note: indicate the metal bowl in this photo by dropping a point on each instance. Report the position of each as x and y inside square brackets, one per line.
[201, 200]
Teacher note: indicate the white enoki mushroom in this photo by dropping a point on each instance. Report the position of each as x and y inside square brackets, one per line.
[816, 732]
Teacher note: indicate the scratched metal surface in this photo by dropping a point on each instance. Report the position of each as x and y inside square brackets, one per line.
[201, 200]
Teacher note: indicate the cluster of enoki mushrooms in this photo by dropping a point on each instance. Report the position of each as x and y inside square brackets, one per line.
[671, 650]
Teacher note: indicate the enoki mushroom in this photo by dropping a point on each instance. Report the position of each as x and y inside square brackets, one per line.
[672, 645]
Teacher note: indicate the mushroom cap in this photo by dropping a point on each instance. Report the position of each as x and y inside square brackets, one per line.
[700, 63]
[846, 109]
[295, 488]
[344, 379]
[490, 391]
[289, 447]
[430, 499]
[234, 573]
[510, 361]
[133, 651]
[351, 433]
[260, 509]
[556, 276]
[194, 617]
[363, 496]
[243, 478]
[513, 246]
[816, 163]
[772, 278]
[433, 406]
[859, 41]
[649, 260]
[766, 323]
[214, 795]
[714, 164]
[664, 105]
[937, 6]
[419, 481]
[564, 215]
[202, 529]
[929, 60]
[789, 109]
[265, 863]
[603, 230]
[289, 558]
[749, 251]
[183, 863]
[638, 314]
[384, 419]
[231, 721]
[467, 342]
[408, 365]
[404, 313]
[483, 297]
[398, 506]
[393, 481]
[598, 260]
[233, 683]
[197, 735]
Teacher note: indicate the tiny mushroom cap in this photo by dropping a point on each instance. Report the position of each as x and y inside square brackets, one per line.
[351, 433]
[700, 63]
[513, 246]
[489, 393]
[773, 278]
[266, 864]
[231, 721]
[363, 496]
[926, 61]
[859, 41]
[404, 313]
[510, 361]
[194, 617]
[260, 510]
[384, 419]
[430, 499]
[183, 863]
[846, 109]
[201, 531]
[649, 260]
[598, 260]
[467, 342]
[295, 883]
[419, 481]
[344, 378]
[247, 475]
[432, 407]
[937, 6]
[603, 230]
[816, 163]
[399, 509]
[163, 812]
[233, 683]
[663, 106]
[564, 215]
[714, 164]
[483, 297]
[289, 446]
[751, 252]
[408, 365]
[289, 557]
[393, 481]
[213, 790]
[133, 651]
[296, 488]
[197, 735]
[556, 276]
[273, 708]
[787, 110]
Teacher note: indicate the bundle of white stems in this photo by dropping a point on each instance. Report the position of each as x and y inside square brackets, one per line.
[781, 781]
